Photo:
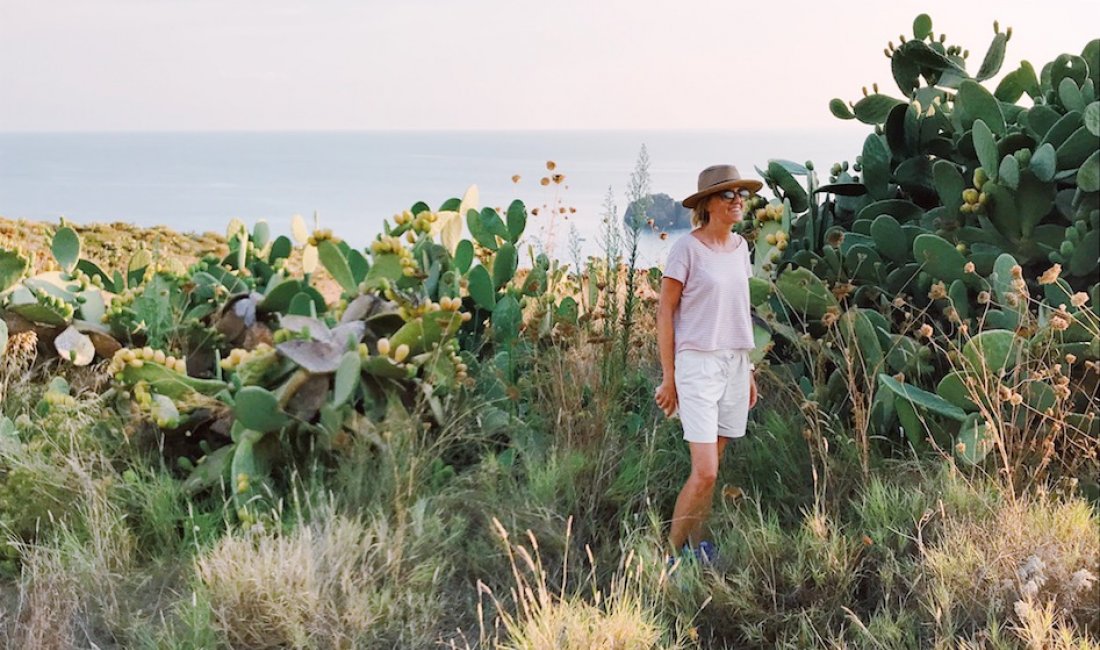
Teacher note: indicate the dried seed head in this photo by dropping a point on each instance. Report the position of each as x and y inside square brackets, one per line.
[1050, 276]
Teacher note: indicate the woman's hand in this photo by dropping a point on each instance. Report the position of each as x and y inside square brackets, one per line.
[754, 394]
[666, 398]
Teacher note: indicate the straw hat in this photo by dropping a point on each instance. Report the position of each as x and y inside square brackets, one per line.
[718, 178]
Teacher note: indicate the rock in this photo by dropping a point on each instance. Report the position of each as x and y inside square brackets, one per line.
[666, 212]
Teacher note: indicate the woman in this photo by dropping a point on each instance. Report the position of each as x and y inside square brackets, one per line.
[704, 332]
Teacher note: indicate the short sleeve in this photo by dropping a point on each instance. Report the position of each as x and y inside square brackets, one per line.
[677, 265]
[748, 257]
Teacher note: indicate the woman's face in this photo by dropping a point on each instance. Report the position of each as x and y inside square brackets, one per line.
[726, 207]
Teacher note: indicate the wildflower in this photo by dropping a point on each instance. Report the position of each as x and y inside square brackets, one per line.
[1059, 323]
[515, 178]
[829, 319]
[899, 302]
[1071, 359]
[1081, 580]
[842, 290]
[558, 178]
[969, 268]
[544, 181]
[1051, 274]
[1033, 568]
[551, 165]
[1022, 609]
[939, 290]
[925, 331]
[1015, 399]
[983, 297]
[1079, 299]
[1018, 273]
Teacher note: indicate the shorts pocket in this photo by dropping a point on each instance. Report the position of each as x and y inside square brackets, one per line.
[697, 371]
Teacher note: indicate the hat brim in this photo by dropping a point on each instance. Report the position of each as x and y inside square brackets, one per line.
[747, 183]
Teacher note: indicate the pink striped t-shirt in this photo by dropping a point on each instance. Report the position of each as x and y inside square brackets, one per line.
[714, 311]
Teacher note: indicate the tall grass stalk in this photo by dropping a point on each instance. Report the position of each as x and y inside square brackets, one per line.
[640, 200]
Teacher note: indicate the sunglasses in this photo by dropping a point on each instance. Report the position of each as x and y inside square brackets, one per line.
[730, 195]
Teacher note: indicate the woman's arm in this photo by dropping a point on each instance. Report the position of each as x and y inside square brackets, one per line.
[666, 397]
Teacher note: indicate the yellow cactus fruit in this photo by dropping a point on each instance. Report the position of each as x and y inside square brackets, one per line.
[771, 239]
[384, 346]
[401, 353]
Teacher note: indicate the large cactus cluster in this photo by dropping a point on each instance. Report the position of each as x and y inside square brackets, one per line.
[967, 212]
[241, 362]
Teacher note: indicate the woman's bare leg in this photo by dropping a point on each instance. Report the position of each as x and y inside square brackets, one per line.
[693, 503]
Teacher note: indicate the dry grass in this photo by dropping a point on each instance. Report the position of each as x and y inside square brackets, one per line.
[1032, 559]
[108, 245]
[623, 616]
[72, 586]
[333, 583]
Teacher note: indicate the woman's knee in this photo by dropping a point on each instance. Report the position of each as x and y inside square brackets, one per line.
[704, 477]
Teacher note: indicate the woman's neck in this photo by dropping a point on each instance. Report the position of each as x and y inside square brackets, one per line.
[715, 233]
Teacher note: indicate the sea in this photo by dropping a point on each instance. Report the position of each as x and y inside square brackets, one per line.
[350, 182]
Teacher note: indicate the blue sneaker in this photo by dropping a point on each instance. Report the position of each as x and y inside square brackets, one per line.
[686, 554]
[706, 553]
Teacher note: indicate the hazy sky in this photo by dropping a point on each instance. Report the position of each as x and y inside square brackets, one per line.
[478, 64]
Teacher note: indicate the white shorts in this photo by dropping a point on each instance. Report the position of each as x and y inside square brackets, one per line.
[713, 391]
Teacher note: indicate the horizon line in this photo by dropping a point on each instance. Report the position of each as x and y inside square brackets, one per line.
[700, 130]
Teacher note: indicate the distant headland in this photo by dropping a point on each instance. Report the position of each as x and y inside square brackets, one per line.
[666, 212]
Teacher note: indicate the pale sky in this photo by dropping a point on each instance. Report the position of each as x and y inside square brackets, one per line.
[91, 65]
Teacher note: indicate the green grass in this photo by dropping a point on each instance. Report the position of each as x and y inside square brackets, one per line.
[391, 543]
